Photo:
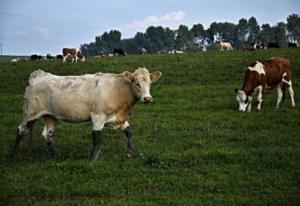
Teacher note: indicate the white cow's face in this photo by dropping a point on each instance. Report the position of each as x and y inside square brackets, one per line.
[141, 81]
[242, 100]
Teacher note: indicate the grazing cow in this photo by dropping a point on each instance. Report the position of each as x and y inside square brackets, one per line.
[274, 73]
[174, 51]
[273, 45]
[225, 45]
[258, 45]
[35, 57]
[119, 52]
[143, 51]
[15, 60]
[105, 99]
[49, 57]
[59, 56]
[292, 45]
[74, 53]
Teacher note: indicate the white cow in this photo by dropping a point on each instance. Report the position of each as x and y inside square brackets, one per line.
[225, 45]
[105, 99]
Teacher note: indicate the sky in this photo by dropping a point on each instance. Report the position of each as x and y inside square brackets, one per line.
[46, 26]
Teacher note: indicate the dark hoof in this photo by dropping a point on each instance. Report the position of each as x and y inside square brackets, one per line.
[94, 156]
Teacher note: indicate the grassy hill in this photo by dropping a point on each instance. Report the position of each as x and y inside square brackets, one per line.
[191, 146]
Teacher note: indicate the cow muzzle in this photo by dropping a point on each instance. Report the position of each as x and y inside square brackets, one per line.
[147, 100]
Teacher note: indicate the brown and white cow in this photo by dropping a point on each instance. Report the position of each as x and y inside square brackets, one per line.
[105, 99]
[72, 52]
[273, 73]
[225, 45]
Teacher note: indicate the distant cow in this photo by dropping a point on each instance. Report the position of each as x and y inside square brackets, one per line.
[273, 45]
[143, 51]
[249, 49]
[15, 60]
[274, 73]
[105, 99]
[174, 51]
[225, 45]
[119, 52]
[258, 45]
[59, 56]
[49, 57]
[35, 57]
[292, 45]
[74, 53]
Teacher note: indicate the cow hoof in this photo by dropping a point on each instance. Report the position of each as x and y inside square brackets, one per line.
[128, 155]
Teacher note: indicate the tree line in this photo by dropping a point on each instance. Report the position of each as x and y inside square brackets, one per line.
[159, 39]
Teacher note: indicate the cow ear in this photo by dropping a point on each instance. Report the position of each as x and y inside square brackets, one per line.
[155, 76]
[128, 76]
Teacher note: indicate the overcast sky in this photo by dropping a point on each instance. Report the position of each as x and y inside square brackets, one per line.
[46, 26]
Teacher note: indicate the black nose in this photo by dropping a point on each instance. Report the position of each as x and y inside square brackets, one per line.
[147, 99]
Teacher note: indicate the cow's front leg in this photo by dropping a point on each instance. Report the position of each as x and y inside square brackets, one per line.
[48, 134]
[96, 136]
[249, 104]
[128, 132]
[98, 124]
[259, 97]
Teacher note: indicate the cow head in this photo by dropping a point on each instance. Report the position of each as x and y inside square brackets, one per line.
[80, 56]
[242, 100]
[141, 81]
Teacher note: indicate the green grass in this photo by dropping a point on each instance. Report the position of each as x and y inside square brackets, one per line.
[191, 146]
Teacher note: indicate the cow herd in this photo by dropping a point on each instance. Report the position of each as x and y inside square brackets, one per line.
[107, 99]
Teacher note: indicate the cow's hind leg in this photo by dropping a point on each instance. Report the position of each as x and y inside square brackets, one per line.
[279, 95]
[48, 133]
[128, 132]
[291, 93]
[288, 83]
[23, 129]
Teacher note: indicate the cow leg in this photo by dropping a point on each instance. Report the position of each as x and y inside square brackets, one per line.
[76, 59]
[259, 97]
[98, 124]
[23, 128]
[48, 133]
[279, 95]
[96, 136]
[291, 93]
[65, 58]
[249, 104]
[128, 132]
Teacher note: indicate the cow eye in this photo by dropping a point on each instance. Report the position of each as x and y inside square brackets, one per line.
[138, 85]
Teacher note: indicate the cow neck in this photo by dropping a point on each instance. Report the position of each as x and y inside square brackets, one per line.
[131, 97]
[250, 83]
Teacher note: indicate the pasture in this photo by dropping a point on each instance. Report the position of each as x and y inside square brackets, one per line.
[191, 146]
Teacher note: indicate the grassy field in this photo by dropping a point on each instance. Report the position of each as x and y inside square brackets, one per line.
[191, 146]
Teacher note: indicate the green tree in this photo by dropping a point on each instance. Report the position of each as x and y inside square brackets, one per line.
[266, 33]
[293, 27]
[240, 34]
[280, 34]
[184, 38]
[254, 30]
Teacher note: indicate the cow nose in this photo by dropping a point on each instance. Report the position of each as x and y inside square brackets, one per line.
[147, 99]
